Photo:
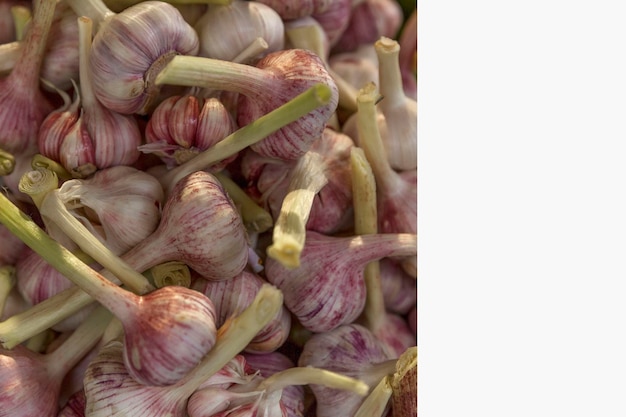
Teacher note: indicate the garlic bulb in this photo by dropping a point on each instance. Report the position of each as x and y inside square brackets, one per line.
[351, 350]
[398, 288]
[225, 31]
[91, 136]
[23, 106]
[232, 295]
[328, 290]
[119, 205]
[131, 45]
[182, 126]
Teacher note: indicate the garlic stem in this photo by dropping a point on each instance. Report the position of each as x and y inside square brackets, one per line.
[255, 218]
[256, 47]
[374, 373]
[96, 10]
[9, 55]
[87, 95]
[40, 161]
[289, 234]
[314, 97]
[22, 326]
[370, 139]
[376, 404]
[7, 162]
[41, 186]
[235, 334]
[305, 375]
[21, 15]
[7, 282]
[171, 273]
[39, 342]
[366, 222]
[390, 80]
[79, 343]
[29, 63]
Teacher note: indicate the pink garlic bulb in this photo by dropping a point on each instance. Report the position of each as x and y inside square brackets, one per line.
[369, 20]
[335, 19]
[232, 295]
[269, 180]
[86, 136]
[119, 205]
[75, 406]
[328, 290]
[351, 350]
[357, 67]
[23, 106]
[197, 207]
[398, 288]
[182, 126]
[38, 377]
[294, 9]
[395, 335]
[131, 45]
[225, 31]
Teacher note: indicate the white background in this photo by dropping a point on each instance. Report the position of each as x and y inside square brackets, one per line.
[522, 208]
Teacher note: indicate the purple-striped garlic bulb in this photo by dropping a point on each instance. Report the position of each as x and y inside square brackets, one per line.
[330, 212]
[357, 67]
[182, 126]
[225, 31]
[85, 136]
[61, 62]
[350, 350]
[130, 46]
[335, 20]
[395, 334]
[328, 289]
[273, 81]
[232, 295]
[38, 377]
[119, 205]
[198, 207]
[75, 405]
[23, 106]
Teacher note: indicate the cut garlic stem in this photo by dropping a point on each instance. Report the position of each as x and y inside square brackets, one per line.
[171, 273]
[304, 375]
[377, 402]
[314, 97]
[366, 222]
[96, 10]
[7, 162]
[256, 47]
[235, 334]
[289, 233]
[40, 161]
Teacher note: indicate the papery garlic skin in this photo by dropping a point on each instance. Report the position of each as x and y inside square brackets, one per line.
[351, 350]
[225, 31]
[133, 43]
